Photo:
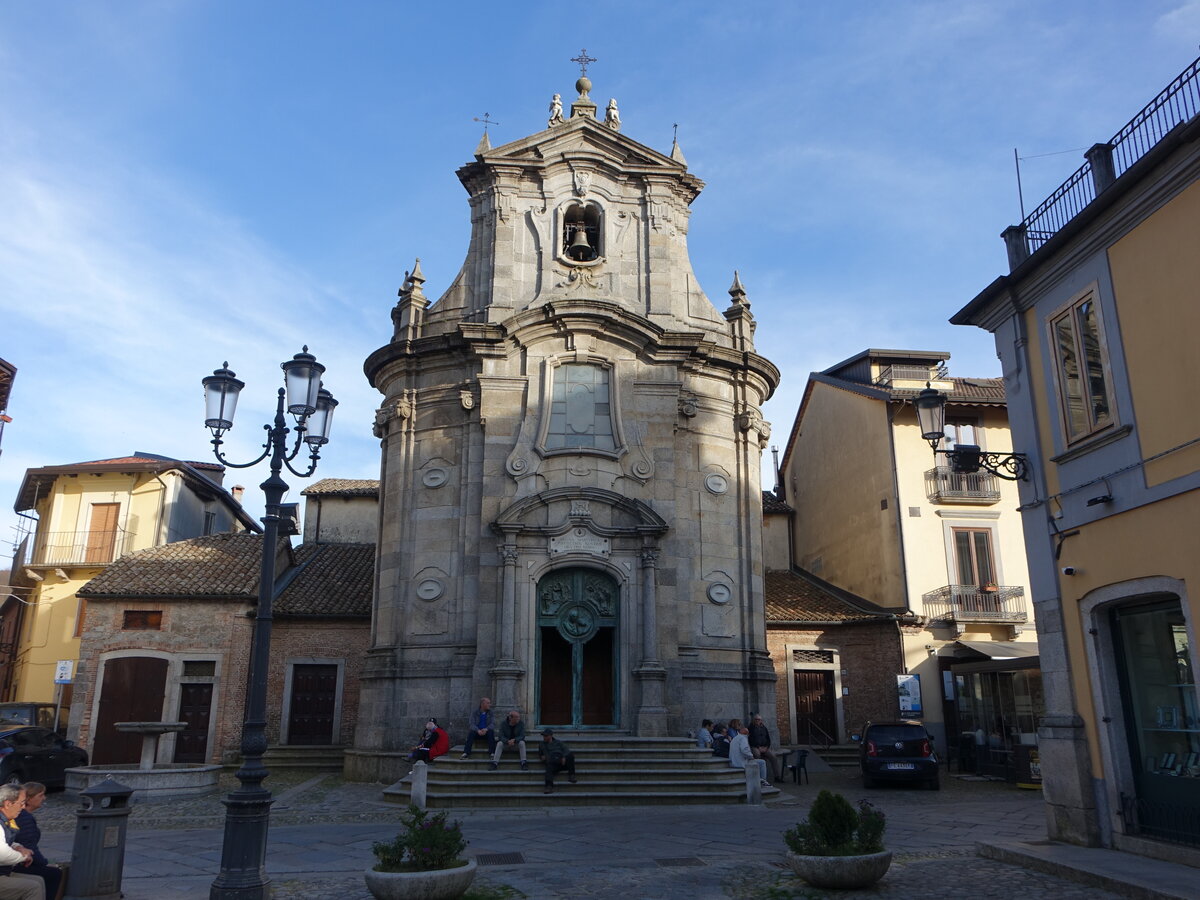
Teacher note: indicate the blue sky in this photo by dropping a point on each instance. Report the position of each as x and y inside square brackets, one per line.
[183, 183]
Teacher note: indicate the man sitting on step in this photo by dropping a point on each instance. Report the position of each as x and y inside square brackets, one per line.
[760, 745]
[480, 726]
[557, 756]
[512, 734]
[740, 756]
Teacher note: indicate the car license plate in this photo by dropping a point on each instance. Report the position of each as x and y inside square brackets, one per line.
[900, 766]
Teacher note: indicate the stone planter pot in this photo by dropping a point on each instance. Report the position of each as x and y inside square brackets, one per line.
[842, 872]
[439, 884]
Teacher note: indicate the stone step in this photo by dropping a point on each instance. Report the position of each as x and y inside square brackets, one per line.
[320, 757]
[567, 795]
[517, 780]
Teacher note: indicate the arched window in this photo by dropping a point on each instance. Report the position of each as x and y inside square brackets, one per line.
[582, 234]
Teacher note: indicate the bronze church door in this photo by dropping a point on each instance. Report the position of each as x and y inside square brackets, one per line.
[577, 649]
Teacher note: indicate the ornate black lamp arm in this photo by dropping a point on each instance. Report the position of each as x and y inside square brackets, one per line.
[966, 459]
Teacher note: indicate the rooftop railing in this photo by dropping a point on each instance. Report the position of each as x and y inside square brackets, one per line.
[1177, 103]
[891, 374]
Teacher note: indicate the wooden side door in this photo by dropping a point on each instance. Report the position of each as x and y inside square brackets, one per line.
[133, 691]
[815, 705]
[195, 708]
[314, 699]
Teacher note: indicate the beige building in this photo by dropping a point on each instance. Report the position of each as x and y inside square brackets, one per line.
[571, 436]
[1095, 325]
[877, 516]
[87, 516]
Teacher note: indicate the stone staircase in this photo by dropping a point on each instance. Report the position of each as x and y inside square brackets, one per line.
[613, 770]
[322, 758]
[839, 756]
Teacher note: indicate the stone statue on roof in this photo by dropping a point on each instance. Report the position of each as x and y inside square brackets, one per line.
[556, 114]
[612, 118]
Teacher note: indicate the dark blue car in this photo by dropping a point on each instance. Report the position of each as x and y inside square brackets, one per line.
[30, 753]
[898, 751]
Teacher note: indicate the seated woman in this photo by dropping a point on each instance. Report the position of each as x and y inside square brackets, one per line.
[434, 743]
[30, 834]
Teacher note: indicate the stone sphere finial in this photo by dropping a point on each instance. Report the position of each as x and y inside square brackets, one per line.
[583, 85]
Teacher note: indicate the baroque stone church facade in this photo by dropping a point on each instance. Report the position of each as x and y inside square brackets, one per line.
[570, 504]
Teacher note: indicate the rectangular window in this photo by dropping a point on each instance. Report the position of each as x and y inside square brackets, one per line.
[1084, 390]
[102, 533]
[973, 558]
[210, 522]
[142, 620]
[199, 668]
[960, 431]
[580, 409]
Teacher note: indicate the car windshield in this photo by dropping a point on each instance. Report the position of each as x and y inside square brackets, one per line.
[892, 733]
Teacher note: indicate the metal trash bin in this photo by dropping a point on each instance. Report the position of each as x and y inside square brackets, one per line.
[98, 856]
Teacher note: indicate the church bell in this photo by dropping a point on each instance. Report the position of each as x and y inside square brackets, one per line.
[580, 250]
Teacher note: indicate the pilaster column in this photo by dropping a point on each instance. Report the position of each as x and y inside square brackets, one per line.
[649, 606]
[650, 674]
[507, 673]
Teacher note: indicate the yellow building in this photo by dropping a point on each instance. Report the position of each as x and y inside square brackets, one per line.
[878, 516]
[87, 515]
[1096, 326]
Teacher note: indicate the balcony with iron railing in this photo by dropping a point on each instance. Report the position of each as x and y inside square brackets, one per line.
[944, 485]
[902, 376]
[961, 604]
[1177, 103]
[81, 548]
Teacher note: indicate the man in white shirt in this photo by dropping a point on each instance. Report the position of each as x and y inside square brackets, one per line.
[740, 754]
[14, 884]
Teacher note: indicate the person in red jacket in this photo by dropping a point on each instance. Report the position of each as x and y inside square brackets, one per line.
[434, 743]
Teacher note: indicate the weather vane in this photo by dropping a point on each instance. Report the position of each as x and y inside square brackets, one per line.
[486, 119]
[584, 61]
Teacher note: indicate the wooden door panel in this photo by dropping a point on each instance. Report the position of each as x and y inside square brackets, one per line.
[815, 703]
[195, 708]
[133, 691]
[314, 702]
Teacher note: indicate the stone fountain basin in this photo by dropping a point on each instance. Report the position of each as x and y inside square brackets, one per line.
[165, 781]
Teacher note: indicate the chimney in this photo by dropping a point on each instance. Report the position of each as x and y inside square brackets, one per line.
[237, 490]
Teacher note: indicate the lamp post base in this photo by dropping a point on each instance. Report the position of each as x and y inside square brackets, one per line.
[243, 856]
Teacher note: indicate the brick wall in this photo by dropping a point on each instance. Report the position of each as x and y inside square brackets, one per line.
[217, 630]
[869, 652]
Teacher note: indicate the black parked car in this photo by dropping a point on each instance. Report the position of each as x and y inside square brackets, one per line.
[30, 753]
[898, 751]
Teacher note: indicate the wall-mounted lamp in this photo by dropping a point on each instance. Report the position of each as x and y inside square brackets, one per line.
[965, 459]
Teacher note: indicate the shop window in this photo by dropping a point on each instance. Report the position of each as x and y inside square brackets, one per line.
[580, 409]
[142, 620]
[1162, 722]
[1084, 390]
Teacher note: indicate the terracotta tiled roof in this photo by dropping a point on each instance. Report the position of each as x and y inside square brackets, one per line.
[218, 565]
[323, 579]
[344, 487]
[798, 596]
[772, 504]
[333, 580]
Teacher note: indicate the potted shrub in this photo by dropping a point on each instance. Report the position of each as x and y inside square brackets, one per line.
[423, 861]
[839, 846]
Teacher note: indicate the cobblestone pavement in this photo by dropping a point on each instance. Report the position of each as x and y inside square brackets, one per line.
[323, 828]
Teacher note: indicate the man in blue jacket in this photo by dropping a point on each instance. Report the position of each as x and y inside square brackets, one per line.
[480, 726]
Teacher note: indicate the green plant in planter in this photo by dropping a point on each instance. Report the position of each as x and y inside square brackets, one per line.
[835, 828]
[424, 844]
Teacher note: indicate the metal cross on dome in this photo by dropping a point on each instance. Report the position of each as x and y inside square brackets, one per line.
[584, 61]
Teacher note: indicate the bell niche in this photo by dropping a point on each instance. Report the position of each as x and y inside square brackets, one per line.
[582, 233]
